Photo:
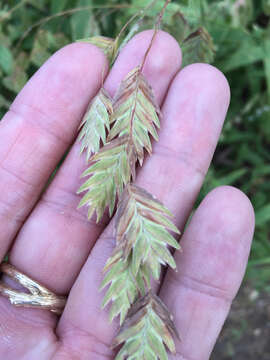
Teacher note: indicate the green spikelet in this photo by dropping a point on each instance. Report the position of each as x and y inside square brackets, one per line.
[108, 45]
[109, 172]
[147, 331]
[124, 286]
[95, 123]
[198, 47]
[135, 113]
[142, 226]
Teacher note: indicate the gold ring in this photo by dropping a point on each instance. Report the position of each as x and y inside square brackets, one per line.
[38, 297]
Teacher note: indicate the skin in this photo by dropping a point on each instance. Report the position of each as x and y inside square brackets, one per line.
[52, 241]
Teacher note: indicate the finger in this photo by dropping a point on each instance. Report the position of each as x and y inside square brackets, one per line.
[38, 129]
[192, 120]
[215, 246]
[56, 240]
[194, 112]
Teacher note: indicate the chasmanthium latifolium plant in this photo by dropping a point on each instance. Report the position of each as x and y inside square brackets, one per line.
[115, 134]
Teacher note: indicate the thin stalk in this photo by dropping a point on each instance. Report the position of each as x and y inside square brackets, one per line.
[157, 26]
[139, 13]
[67, 13]
[16, 7]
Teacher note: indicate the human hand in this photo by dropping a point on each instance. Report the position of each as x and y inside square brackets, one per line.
[55, 244]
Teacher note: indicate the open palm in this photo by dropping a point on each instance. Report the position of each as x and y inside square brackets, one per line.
[54, 243]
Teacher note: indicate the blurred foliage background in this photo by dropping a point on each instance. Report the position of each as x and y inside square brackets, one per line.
[234, 35]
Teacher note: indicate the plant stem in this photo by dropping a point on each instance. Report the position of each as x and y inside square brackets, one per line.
[140, 12]
[157, 26]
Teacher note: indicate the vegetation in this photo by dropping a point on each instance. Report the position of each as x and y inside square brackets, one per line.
[234, 35]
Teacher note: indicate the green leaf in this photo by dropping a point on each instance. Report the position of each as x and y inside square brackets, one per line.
[18, 77]
[4, 102]
[241, 12]
[246, 51]
[267, 66]
[83, 23]
[229, 178]
[266, 7]
[6, 59]
[57, 6]
[40, 5]
[198, 47]
[263, 215]
[56, 40]
[16, 81]
[40, 52]
[95, 123]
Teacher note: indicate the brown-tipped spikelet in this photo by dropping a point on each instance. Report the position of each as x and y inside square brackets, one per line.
[142, 226]
[135, 113]
[141, 248]
[147, 329]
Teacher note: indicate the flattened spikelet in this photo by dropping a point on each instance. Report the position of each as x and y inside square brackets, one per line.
[135, 113]
[148, 328]
[106, 44]
[109, 172]
[142, 226]
[198, 47]
[124, 286]
[95, 123]
[134, 118]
